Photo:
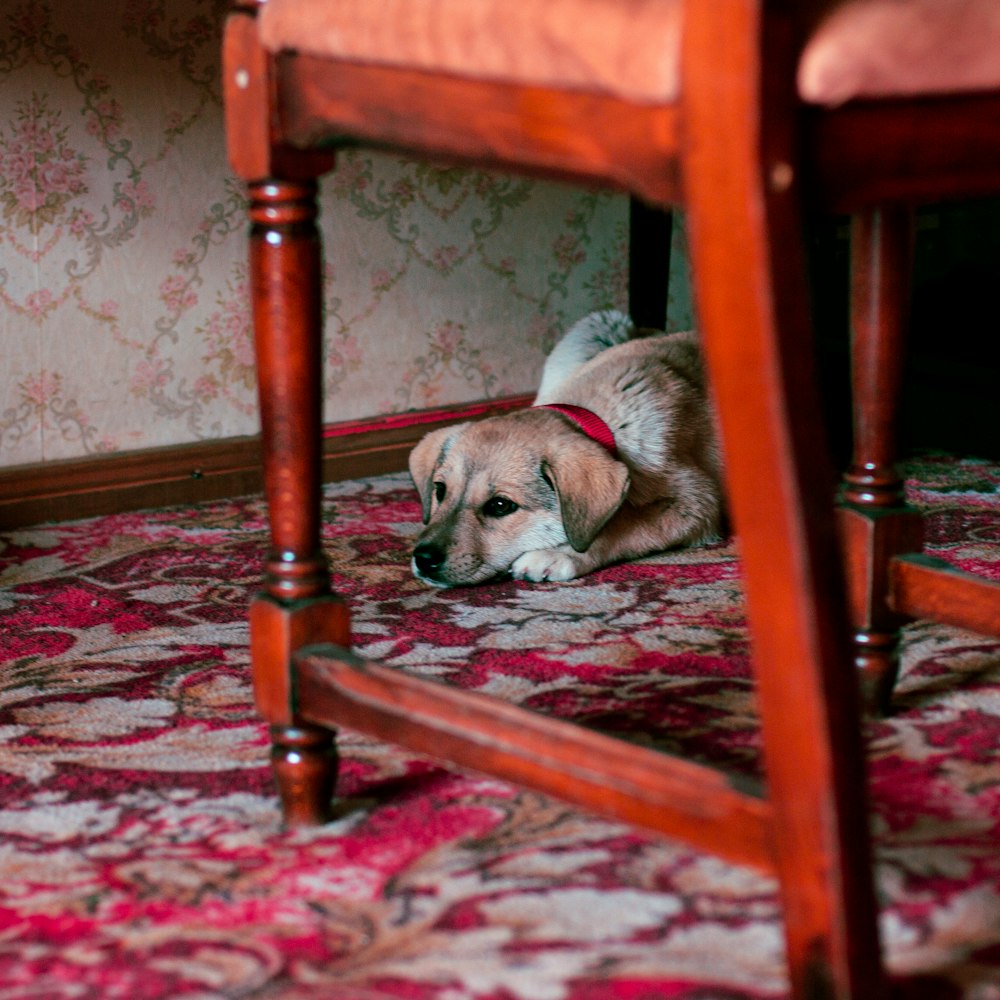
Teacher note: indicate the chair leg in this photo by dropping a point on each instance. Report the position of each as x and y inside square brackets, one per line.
[875, 522]
[744, 230]
[296, 608]
[781, 497]
[650, 233]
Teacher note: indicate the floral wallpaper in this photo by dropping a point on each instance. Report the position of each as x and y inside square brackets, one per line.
[124, 311]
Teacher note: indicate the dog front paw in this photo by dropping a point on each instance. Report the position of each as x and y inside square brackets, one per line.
[554, 565]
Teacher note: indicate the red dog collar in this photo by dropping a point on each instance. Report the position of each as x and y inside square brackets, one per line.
[588, 421]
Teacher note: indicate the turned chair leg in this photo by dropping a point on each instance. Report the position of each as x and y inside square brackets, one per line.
[296, 608]
[875, 520]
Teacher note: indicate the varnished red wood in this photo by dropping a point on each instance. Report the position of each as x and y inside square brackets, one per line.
[742, 212]
[296, 607]
[279, 627]
[285, 275]
[742, 158]
[665, 794]
[304, 761]
[903, 152]
[876, 523]
[924, 587]
[871, 537]
[881, 266]
[256, 152]
[112, 482]
[570, 135]
[246, 91]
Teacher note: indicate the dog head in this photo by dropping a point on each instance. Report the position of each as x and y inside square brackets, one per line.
[498, 488]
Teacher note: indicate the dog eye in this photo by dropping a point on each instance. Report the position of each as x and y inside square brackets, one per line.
[439, 491]
[499, 506]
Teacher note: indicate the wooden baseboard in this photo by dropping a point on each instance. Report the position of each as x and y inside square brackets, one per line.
[210, 470]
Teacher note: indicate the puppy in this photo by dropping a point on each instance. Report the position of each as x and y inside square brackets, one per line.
[618, 458]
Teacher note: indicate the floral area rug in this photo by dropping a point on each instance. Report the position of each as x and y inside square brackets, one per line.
[141, 850]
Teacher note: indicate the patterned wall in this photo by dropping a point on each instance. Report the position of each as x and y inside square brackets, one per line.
[123, 300]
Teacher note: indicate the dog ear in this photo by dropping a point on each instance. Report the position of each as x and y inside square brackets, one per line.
[590, 485]
[427, 455]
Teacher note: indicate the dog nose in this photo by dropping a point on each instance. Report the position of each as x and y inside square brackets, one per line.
[428, 558]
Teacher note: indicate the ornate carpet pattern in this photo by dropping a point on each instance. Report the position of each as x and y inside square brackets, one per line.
[141, 852]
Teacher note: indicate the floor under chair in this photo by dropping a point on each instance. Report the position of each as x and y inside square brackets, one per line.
[141, 852]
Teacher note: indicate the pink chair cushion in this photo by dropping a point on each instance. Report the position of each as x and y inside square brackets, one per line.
[629, 48]
[901, 48]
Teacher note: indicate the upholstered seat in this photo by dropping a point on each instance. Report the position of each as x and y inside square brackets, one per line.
[860, 49]
[631, 48]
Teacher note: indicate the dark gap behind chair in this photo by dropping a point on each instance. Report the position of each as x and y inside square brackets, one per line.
[952, 384]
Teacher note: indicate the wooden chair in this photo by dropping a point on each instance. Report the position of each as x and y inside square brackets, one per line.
[690, 102]
[902, 107]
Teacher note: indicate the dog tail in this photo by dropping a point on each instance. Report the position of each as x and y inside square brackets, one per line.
[586, 339]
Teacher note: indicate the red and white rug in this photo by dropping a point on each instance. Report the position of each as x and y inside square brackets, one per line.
[141, 852]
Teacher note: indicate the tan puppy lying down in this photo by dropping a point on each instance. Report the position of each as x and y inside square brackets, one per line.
[626, 464]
